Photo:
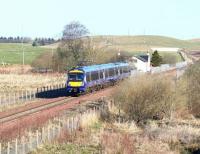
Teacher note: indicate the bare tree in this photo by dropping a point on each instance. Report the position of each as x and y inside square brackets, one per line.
[72, 50]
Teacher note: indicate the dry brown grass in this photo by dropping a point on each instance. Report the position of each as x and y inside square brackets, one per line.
[89, 119]
[178, 134]
[15, 82]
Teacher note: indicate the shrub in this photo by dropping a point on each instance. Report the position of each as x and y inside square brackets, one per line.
[193, 88]
[146, 97]
[156, 59]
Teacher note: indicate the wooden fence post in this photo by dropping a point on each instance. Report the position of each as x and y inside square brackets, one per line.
[23, 145]
[30, 141]
[30, 95]
[37, 138]
[72, 123]
[9, 99]
[14, 96]
[18, 97]
[16, 150]
[26, 95]
[22, 96]
[48, 133]
[8, 148]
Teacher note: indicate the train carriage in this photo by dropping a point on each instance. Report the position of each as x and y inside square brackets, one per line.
[82, 79]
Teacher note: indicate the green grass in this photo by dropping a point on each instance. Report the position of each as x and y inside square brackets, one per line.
[12, 53]
[142, 42]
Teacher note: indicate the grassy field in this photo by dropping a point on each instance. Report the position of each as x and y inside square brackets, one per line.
[142, 43]
[12, 53]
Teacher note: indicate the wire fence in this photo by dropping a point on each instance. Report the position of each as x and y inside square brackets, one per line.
[30, 95]
[50, 132]
[168, 67]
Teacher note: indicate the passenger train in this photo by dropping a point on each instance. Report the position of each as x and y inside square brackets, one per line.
[89, 78]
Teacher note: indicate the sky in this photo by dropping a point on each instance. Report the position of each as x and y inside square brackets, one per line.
[47, 18]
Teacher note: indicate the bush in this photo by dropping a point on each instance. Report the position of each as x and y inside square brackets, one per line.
[193, 88]
[146, 97]
[43, 61]
[156, 59]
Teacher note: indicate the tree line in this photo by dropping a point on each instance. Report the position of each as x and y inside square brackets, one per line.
[43, 41]
[14, 39]
[35, 42]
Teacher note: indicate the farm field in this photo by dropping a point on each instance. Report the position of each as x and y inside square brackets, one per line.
[14, 83]
[11, 53]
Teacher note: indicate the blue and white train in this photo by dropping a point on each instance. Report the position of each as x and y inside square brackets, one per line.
[88, 78]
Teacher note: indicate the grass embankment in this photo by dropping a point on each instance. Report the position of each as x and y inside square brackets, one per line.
[12, 53]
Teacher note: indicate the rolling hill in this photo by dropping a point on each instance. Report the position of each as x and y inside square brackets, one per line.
[139, 42]
[12, 52]
[142, 42]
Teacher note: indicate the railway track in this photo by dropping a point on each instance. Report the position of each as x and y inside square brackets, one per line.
[35, 109]
[20, 112]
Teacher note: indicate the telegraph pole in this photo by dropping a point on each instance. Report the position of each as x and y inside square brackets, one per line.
[23, 58]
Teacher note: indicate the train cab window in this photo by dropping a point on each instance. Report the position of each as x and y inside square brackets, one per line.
[94, 76]
[76, 76]
[88, 77]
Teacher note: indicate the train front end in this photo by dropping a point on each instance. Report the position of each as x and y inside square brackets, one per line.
[76, 81]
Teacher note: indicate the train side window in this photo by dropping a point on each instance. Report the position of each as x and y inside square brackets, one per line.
[121, 70]
[106, 73]
[111, 72]
[118, 71]
[94, 76]
[101, 74]
[88, 77]
[125, 69]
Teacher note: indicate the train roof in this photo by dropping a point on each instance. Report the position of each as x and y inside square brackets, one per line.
[102, 66]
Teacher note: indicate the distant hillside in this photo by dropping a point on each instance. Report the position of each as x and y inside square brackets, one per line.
[197, 40]
[142, 42]
[139, 43]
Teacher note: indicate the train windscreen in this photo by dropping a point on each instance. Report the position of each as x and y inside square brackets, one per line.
[75, 77]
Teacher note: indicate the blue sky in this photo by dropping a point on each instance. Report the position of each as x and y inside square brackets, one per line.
[46, 18]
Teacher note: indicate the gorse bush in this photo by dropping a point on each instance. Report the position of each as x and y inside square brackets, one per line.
[146, 97]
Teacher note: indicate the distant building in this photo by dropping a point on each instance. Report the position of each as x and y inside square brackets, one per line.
[142, 62]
